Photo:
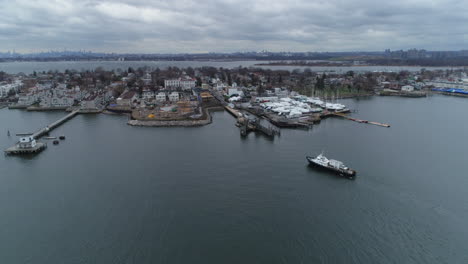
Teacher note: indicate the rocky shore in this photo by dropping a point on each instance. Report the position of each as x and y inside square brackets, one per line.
[177, 123]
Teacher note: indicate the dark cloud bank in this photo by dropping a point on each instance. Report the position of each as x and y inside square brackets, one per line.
[232, 25]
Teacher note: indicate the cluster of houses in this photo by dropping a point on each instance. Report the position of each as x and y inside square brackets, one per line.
[148, 97]
[6, 88]
[451, 82]
[57, 96]
[172, 92]
[95, 89]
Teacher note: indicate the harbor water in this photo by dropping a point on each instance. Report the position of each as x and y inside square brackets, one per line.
[112, 193]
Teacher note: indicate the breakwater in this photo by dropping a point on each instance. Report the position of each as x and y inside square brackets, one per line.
[177, 123]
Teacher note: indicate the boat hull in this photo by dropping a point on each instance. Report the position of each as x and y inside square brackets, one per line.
[344, 173]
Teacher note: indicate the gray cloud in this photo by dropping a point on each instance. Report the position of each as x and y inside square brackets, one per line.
[232, 25]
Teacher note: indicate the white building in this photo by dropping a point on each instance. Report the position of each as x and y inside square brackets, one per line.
[6, 88]
[182, 83]
[147, 79]
[235, 91]
[147, 95]
[174, 97]
[161, 97]
[127, 98]
[407, 88]
[27, 142]
[220, 86]
[448, 84]
[280, 92]
[92, 101]
[57, 101]
[26, 99]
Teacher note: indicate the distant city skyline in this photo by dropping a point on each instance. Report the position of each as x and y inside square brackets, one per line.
[188, 26]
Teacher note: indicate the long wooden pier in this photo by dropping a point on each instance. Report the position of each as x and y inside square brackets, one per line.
[43, 131]
[233, 111]
[360, 120]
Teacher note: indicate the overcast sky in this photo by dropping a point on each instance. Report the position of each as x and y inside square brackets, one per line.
[232, 25]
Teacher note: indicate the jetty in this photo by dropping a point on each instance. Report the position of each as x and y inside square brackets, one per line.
[43, 131]
[233, 111]
[29, 145]
[360, 120]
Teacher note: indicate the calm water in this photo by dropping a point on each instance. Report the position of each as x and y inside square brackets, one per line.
[30, 67]
[111, 193]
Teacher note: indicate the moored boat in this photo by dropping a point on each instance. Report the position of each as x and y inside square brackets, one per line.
[332, 165]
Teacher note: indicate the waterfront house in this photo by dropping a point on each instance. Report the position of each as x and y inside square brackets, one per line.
[27, 142]
[174, 97]
[147, 95]
[26, 99]
[127, 98]
[161, 97]
[92, 102]
[55, 101]
[6, 88]
[407, 88]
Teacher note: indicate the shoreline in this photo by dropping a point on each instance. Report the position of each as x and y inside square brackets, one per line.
[178, 123]
[357, 66]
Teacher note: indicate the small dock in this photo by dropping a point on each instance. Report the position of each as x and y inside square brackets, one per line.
[360, 120]
[246, 125]
[15, 150]
[47, 129]
[233, 111]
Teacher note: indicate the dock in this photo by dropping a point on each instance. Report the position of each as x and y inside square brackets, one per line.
[39, 146]
[247, 125]
[15, 150]
[233, 111]
[43, 131]
[360, 120]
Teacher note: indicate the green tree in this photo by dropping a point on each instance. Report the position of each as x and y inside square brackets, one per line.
[229, 79]
[260, 90]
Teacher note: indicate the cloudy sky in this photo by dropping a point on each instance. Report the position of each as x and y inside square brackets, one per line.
[166, 26]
